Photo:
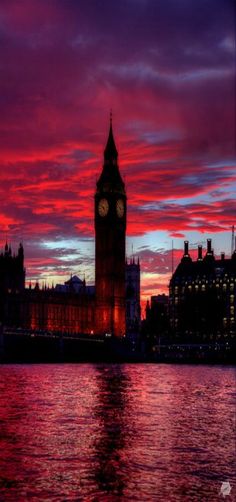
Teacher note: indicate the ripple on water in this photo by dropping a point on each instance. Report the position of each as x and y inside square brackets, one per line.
[116, 432]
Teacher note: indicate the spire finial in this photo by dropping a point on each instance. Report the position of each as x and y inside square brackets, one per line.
[111, 117]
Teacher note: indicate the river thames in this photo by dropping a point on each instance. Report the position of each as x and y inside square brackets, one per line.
[122, 432]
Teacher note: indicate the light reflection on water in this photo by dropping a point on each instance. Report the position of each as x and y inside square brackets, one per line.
[116, 432]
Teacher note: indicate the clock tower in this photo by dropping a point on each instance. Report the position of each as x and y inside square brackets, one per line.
[110, 228]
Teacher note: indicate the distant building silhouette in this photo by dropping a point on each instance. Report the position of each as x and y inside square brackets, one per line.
[202, 295]
[157, 315]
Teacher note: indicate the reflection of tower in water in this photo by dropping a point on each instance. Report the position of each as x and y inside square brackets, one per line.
[114, 414]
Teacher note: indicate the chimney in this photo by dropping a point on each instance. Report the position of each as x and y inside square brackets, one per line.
[209, 250]
[186, 248]
[199, 253]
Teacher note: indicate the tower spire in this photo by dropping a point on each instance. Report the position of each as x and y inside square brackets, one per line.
[110, 152]
[110, 179]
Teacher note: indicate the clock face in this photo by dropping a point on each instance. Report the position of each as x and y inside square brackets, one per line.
[103, 207]
[120, 209]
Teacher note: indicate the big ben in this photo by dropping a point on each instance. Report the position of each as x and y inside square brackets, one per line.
[110, 229]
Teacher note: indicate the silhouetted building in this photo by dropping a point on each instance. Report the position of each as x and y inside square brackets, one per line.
[132, 287]
[203, 295]
[110, 229]
[157, 314]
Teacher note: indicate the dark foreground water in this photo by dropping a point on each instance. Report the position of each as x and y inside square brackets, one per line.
[116, 432]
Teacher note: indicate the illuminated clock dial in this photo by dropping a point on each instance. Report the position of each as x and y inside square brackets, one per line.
[103, 207]
[120, 209]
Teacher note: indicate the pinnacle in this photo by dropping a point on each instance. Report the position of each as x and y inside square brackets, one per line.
[110, 152]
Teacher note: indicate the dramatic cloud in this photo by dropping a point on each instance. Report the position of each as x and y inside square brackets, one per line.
[167, 69]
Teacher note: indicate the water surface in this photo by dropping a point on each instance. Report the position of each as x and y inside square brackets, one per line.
[131, 432]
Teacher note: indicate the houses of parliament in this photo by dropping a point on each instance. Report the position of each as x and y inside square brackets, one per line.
[112, 306]
[202, 294]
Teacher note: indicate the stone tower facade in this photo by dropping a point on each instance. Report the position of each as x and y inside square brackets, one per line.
[133, 309]
[110, 232]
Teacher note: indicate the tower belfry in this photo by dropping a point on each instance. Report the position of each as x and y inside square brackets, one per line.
[110, 229]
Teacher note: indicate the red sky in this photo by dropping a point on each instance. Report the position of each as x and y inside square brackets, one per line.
[167, 69]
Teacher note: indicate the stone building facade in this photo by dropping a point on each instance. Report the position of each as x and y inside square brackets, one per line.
[132, 286]
[202, 295]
